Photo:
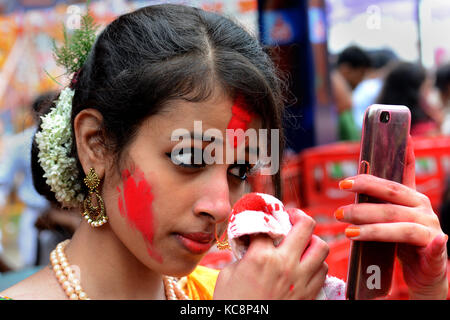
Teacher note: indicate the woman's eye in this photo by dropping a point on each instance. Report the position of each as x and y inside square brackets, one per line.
[240, 171]
[184, 158]
[187, 157]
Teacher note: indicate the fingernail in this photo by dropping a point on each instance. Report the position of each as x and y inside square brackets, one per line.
[346, 184]
[339, 214]
[352, 232]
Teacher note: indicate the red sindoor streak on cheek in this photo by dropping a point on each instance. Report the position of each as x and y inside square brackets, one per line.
[135, 203]
[239, 120]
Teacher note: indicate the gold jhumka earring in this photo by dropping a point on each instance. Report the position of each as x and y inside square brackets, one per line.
[94, 214]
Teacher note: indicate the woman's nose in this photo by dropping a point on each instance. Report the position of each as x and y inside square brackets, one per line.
[214, 197]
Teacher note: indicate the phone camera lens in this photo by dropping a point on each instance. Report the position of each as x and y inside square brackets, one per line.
[385, 117]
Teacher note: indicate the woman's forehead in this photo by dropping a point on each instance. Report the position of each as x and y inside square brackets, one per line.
[219, 111]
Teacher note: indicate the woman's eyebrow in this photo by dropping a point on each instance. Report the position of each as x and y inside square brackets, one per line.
[194, 135]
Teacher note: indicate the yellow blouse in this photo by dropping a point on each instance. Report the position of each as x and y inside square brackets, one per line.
[200, 284]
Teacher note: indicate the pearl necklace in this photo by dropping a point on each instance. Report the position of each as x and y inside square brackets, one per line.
[72, 287]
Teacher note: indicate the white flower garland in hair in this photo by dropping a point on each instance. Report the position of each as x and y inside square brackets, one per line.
[54, 141]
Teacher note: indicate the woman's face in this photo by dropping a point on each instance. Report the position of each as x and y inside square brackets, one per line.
[165, 211]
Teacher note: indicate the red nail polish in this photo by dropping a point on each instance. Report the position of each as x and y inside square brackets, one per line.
[339, 214]
[352, 232]
[346, 184]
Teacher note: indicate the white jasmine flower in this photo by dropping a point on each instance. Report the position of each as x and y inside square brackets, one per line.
[54, 142]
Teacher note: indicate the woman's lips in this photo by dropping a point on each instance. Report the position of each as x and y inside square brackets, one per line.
[196, 243]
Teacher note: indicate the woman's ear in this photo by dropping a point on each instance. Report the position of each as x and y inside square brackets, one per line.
[90, 141]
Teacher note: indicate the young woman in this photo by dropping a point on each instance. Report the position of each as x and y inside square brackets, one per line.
[157, 70]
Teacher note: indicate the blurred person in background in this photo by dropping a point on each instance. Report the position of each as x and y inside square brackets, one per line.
[442, 84]
[367, 91]
[15, 159]
[351, 67]
[407, 84]
[4, 266]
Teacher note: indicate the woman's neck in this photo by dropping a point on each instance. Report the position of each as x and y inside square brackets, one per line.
[107, 269]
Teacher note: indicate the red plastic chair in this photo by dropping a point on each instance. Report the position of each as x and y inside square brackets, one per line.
[432, 167]
[321, 170]
[337, 259]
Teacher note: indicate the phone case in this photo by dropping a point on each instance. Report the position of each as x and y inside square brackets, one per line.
[383, 151]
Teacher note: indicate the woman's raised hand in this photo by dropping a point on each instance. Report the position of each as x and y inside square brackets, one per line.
[408, 219]
[293, 270]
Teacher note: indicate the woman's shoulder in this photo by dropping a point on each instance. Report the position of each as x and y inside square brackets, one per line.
[42, 285]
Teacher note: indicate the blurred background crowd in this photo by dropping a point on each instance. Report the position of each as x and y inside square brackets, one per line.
[341, 57]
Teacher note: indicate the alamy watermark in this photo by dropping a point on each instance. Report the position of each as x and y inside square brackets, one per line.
[73, 20]
[238, 146]
[373, 21]
[374, 280]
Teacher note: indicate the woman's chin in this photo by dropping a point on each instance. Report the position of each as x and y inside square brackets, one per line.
[179, 271]
[181, 267]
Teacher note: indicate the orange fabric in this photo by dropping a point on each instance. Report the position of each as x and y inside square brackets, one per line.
[200, 284]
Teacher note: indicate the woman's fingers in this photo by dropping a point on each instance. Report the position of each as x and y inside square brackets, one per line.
[366, 213]
[292, 270]
[259, 243]
[296, 215]
[310, 249]
[409, 178]
[406, 218]
[316, 282]
[436, 251]
[298, 238]
[401, 232]
[300, 247]
[315, 254]
[385, 190]
[425, 269]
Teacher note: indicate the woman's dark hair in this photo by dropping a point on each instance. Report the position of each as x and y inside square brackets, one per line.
[355, 57]
[442, 81]
[159, 53]
[40, 104]
[402, 87]
[381, 58]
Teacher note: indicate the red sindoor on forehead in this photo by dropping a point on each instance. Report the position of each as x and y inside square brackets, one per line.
[240, 119]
